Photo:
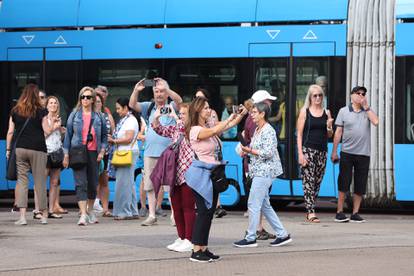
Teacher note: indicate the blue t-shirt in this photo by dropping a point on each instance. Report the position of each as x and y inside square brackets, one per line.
[154, 143]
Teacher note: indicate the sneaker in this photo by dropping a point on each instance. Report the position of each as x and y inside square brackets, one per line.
[92, 218]
[21, 221]
[211, 255]
[176, 243]
[43, 220]
[160, 212]
[143, 212]
[97, 206]
[149, 221]
[220, 212]
[246, 214]
[245, 243]
[264, 235]
[200, 257]
[357, 218]
[14, 209]
[341, 217]
[184, 246]
[83, 220]
[281, 241]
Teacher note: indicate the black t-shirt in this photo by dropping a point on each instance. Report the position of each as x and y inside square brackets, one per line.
[33, 136]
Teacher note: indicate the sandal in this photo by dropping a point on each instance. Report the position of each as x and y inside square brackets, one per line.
[107, 214]
[60, 211]
[313, 219]
[54, 216]
[37, 215]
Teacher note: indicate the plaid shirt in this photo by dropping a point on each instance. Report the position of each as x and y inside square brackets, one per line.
[185, 155]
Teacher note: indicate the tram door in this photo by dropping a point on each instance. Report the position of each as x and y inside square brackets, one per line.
[288, 79]
[54, 70]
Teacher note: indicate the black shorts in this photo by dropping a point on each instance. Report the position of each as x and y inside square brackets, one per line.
[106, 161]
[49, 164]
[359, 165]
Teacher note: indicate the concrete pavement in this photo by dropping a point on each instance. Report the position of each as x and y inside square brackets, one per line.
[382, 246]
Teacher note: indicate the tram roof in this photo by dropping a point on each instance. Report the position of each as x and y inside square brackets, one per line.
[83, 13]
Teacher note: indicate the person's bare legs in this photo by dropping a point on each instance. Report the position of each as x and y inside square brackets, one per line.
[103, 191]
[160, 197]
[341, 200]
[54, 179]
[357, 203]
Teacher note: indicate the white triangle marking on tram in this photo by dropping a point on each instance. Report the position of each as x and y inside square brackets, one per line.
[28, 38]
[310, 35]
[60, 40]
[273, 33]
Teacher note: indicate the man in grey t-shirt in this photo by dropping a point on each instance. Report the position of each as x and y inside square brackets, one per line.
[353, 125]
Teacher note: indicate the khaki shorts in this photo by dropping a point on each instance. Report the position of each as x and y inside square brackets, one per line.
[149, 164]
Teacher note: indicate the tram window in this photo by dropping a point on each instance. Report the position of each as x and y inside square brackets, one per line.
[120, 77]
[409, 102]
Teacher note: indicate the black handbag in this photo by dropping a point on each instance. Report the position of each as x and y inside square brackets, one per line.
[56, 158]
[11, 173]
[78, 156]
[218, 177]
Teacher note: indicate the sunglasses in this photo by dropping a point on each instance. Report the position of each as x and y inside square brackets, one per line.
[86, 97]
[317, 96]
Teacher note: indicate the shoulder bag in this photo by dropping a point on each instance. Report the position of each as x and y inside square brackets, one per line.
[11, 173]
[78, 156]
[123, 158]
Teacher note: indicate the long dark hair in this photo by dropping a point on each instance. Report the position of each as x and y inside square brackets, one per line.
[123, 102]
[28, 102]
[194, 111]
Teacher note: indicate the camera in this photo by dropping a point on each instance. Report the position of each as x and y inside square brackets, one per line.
[165, 110]
[149, 83]
[149, 79]
[89, 138]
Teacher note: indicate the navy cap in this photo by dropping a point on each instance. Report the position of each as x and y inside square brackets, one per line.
[357, 88]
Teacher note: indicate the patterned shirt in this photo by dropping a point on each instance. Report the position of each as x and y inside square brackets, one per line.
[185, 155]
[267, 163]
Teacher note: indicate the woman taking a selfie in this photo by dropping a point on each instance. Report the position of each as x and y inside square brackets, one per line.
[85, 139]
[208, 154]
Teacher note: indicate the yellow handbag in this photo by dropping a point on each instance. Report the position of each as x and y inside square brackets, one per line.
[122, 158]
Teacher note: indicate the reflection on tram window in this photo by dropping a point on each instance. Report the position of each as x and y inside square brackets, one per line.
[409, 104]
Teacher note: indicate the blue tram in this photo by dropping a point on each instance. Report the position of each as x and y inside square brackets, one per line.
[231, 47]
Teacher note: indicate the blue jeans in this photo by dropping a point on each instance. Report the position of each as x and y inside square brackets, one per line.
[258, 204]
[125, 201]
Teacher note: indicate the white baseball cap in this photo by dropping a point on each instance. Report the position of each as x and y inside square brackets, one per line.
[261, 95]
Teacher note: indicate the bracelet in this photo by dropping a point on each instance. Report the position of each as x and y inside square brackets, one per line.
[329, 129]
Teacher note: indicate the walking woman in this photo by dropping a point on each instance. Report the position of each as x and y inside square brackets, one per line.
[208, 154]
[28, 117]
[314, 126]
[103, 179]
[264, 167]
[182, 197]
[53, 134]
[125, 138]
[86, 127]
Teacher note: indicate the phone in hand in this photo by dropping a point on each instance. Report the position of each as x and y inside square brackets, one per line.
[336, 161]
[165, 110]
[149, 82]
[241, 139]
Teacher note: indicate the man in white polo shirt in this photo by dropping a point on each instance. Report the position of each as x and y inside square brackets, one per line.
[353, 125]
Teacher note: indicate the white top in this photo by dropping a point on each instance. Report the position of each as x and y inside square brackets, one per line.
[54, 140]
[130, 123]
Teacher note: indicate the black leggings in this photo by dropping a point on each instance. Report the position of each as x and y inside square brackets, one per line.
[204, 216]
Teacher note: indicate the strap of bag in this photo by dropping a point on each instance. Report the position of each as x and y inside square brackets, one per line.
[178, 142]
[20, 132]
[89, 130]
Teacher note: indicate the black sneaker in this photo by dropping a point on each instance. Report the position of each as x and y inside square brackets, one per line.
[211, 255]
[220, 212]
[357, 218]
[264, 235]
[200, 257]
[340, 217]
[245, 243]
[281, 241]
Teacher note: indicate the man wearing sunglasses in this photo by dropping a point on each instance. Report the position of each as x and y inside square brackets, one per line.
[353, 125]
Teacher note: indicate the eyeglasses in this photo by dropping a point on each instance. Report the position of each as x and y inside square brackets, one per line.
[85, 97]
[317, 96]
[360, 93]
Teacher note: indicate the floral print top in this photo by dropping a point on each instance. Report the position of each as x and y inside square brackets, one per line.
[267, 163]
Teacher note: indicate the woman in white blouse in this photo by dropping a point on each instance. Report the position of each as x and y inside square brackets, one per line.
[264, 167]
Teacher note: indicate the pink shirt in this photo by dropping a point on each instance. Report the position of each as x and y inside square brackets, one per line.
[86, 121]
[205, 149]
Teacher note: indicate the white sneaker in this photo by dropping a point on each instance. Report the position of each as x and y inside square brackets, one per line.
[83, 220]
[21, 221]
[176, 243]
[43, 220]
[97, 206]
[92, 218]
[185, 246]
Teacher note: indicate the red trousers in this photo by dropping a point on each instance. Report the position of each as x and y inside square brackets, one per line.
[183, 204]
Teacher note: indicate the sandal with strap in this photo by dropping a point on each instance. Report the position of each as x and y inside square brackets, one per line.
[313, 219]
[37, 215]
[54, 216]
[107, 214]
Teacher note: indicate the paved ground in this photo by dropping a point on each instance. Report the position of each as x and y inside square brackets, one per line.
[382, 246]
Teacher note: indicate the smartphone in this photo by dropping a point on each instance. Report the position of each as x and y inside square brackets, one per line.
[235, 109]
[336, 161]
[241, 139]
[149, 82]
[165, 110]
